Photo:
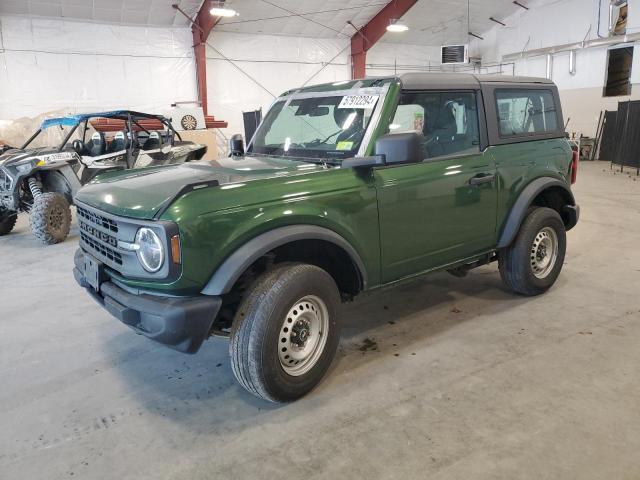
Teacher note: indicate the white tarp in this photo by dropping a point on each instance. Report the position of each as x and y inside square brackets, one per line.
[54, 64]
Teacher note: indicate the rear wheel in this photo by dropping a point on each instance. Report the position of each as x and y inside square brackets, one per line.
[8, 220]
[50, 218]
[286, 332]
[532, 263]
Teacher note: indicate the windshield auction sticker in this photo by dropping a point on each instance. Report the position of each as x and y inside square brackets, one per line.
[358, 101]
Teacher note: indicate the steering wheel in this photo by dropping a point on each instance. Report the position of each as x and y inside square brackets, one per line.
[78, 146]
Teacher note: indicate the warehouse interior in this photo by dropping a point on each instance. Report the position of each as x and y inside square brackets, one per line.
[447, 375]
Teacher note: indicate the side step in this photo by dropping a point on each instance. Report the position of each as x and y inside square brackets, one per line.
[462, 270]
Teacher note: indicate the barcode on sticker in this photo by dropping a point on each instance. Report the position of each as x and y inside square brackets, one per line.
[358, 101]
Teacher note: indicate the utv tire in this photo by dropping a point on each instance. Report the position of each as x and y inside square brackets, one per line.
[285, 332]
[7, 222]
[50, 218]
[532, 263]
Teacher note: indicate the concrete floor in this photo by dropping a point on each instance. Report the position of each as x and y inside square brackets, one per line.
[442, 378]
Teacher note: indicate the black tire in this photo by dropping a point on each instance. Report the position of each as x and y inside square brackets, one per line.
[516, 261]
[50, 218]
[259, 324]
[7, 221]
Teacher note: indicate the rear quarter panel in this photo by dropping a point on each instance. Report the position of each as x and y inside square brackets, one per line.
[518, 164]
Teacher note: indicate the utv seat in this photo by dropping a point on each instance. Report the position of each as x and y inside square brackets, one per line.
[153, 142]
[119, 142]
[97, 144]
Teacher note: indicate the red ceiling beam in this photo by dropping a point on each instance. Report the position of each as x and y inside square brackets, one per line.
[367, 36]
[201, 28]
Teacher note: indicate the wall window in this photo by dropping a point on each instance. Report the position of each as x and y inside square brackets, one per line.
[448, 121]
[525, 112]
[619, 72]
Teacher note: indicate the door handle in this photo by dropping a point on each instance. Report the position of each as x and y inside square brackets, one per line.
[482, 178]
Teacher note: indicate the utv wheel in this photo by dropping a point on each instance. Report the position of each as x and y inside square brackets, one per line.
[285, 332]
[7, 221]
[532, 263]
[50, 218]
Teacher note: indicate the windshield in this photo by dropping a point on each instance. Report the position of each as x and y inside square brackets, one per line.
[54, 136]
[317, 127]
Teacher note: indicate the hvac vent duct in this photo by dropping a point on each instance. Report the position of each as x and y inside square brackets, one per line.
[455, 54]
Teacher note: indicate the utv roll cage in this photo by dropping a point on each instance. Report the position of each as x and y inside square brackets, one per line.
[130, 117]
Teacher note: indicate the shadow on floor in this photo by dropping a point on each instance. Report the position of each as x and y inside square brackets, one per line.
[187, 389]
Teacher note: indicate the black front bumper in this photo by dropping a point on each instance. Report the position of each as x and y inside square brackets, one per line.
[182, 323]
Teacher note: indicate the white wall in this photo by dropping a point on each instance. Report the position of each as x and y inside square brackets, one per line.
[277, 63]
[51, 64]
[549, 23]
[396, 58]
[280, 63]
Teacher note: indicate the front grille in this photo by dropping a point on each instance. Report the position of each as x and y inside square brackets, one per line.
[5, 182]
[98, 234]
[100, 248]
[98, 220]
[103, 234]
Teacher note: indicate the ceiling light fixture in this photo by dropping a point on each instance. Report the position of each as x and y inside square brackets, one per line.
[396, 27]
[221, 11]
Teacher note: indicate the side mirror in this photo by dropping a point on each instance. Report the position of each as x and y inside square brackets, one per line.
[400, 147]
[236, 146]
[363, 163]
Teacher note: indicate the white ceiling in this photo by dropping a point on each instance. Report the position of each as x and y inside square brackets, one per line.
[442, 22]
[431, 22]
[124, 12]
[261, 16]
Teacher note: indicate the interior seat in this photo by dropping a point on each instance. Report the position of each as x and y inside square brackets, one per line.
[119, 142]
[97, 144]
[153, 142]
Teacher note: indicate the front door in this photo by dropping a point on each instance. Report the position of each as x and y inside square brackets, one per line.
[441, 209]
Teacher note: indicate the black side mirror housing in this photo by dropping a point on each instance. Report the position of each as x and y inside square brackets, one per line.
[236, 145]
[400, 147]
[363, 163]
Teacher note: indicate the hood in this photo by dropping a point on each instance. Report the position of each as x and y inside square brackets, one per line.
[13, 156]
[142, 193]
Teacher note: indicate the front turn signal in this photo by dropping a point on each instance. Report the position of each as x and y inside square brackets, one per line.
[175, 250]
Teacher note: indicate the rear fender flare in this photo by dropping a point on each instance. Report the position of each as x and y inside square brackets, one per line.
[236, 264]
[522, 204]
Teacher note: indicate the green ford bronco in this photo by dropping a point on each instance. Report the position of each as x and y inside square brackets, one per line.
[344, 188]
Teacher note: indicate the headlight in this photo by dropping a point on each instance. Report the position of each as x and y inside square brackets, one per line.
[150, 249]
[24, 168]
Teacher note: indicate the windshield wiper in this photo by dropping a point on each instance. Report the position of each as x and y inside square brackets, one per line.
[317, 141]
[315, 160]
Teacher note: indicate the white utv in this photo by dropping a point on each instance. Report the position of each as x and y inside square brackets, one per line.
[43, 181]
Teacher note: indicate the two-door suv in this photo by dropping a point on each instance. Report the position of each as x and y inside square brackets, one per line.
[344, 188]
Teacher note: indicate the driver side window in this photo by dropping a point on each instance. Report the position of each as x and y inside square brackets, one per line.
[448, 121]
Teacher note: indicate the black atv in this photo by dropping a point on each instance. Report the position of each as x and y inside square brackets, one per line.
[43, 181]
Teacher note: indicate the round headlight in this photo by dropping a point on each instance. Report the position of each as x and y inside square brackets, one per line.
[150, 249]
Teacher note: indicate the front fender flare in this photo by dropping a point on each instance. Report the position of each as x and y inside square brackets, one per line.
[526, 197]
[230, 270]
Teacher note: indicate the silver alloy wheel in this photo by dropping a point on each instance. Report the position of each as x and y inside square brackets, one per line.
[303, 335]
[544, 252]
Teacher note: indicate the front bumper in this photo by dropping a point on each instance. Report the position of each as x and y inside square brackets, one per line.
[181, 323]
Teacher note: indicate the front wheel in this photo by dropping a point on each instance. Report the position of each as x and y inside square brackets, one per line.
[50, 218]
[532, 263]
[285, 332]
[8, 220]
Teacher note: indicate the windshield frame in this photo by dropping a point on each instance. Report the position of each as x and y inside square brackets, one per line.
[381, 91]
